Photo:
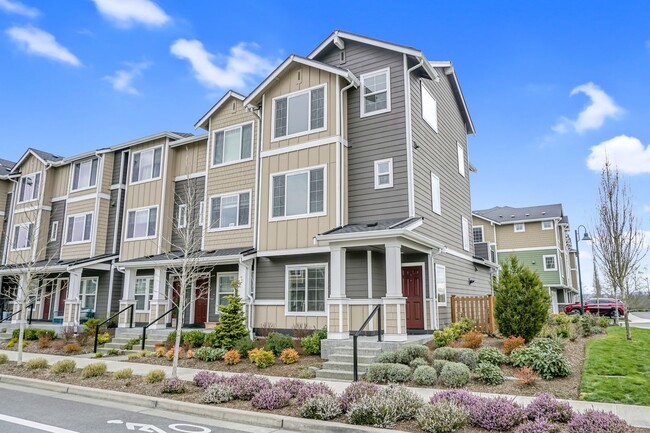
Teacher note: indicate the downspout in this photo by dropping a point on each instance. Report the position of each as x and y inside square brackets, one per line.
[339, 155]
[409, 134]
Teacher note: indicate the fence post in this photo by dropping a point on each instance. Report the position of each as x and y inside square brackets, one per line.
[453, 309]
[490, 312]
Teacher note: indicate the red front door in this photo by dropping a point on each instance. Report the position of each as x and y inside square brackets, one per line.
[47, 300]
[412, 291]
[63, 293]
[201, 301]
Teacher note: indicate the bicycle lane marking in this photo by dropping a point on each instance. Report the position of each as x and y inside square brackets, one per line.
[35, 425]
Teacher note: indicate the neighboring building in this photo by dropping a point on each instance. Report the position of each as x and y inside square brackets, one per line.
[539, 237]
[340, 183]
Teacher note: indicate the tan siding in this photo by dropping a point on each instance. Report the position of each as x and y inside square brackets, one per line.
[21, 256]
[488, 232]
[58, 178]
[31, 165]
[42, 235]
[5, 188]
[80, 250]
[274, 315]
[189, 158]
[167, 214]
[534, 236]
[102, 227]
[107, 172]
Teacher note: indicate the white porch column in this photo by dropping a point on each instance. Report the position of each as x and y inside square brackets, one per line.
[20, 296]
[338, 318]
[72, 302]
[128, 298]
[394, 303]
[244, 277]
[158, 304]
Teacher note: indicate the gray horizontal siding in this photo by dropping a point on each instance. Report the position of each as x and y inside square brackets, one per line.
[117, 163]
[118, 289]
[270, 273]
[53, 248]
[356, 275]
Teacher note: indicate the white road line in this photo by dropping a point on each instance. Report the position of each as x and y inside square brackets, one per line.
[33, 424]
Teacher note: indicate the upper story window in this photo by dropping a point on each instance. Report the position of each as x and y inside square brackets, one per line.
[520, 227]
[384, 173]
[375, 92]
[233, 144]
[141, 223]
[429, 108]
[465, 228]
[477, 232]
[550, 263]
[54, 231]
[435, 194]
[441, 285]
[181, 220]
[298, 193]
[29, 185]
[230, 211]
[461, 159]
[146, 165]
[547, 225]
[299, 113]
[84, 174]
[22, 236]
[79, 228]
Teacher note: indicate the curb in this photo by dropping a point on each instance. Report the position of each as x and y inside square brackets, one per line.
[277, 422]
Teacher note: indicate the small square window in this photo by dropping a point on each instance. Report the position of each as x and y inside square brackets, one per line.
[477, 231]
[436, 205]
[550, 263]
[520, 227]
[384, 173]
[461, 159]
[465, 228]
[547, 225]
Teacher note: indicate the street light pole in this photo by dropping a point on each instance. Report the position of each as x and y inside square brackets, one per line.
[584, 238]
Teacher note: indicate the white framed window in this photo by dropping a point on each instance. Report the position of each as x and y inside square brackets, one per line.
[306, 289]
[141, 223]
[441, 285]
[181, 218]
[300, 113]
[22, 236]
[230, 211]
[550, 263]
[436, 205]
[465, 228]
[84, 174]
[520, 227]
[79, 228]
[477, 234]
[461, 159]
[298, 193]
[547, 225]
[375, 92]
[201, 213]
[88, 293]
[146, 165]
[143, 293]
[384, 173]
[29, 186]
[224, 288]
[429, 107]
[54, 231]
[233, 144]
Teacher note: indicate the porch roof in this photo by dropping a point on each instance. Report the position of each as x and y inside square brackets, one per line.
[205, 257]
[394, 223]
[58, 265]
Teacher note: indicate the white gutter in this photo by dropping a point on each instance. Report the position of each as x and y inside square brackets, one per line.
[409, 134]
[171, 262]
[354, 82]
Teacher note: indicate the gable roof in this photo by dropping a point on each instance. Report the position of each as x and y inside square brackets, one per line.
[41, 155]
[511, 215]
[204, 120]
[5, 167]
[429, 67]
[345, 73]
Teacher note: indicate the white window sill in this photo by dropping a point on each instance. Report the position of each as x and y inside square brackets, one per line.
[140, 239]
[138, 182]
[226, 229]
[83, 189]
[27, 201]
[226, 164]
[374, 113]
[298, 134]
[76, 242]
[21, 249]
[384, 186]
[296, 217]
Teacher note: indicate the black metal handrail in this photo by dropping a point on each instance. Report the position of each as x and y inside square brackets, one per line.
[31, 311]
[356, 335]
[144, 330]
[130, 307]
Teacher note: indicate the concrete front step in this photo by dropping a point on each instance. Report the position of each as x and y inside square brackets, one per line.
[349, 359]
[335, 374]
[361, 351]
[344, 366]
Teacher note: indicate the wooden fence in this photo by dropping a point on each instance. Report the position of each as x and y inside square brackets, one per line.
[477, 308]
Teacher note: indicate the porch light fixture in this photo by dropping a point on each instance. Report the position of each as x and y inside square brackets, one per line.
[585, 237]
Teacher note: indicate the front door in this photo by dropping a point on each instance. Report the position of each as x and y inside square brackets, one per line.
[412, 291]
[63, 294]
[47, 300]
[201, 301]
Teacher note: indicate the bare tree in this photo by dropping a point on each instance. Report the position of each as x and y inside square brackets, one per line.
[619, 244]
[597, 286]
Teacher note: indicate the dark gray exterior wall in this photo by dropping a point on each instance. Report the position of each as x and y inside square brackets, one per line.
[4, 239]
[356, 274]
[378, 274]
[270, 273]
[103, 279]
[184, 190]
[115, 220]
[118, 287]
[375, 137]
[53, 248]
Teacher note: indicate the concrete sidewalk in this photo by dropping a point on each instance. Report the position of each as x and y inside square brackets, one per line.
[637, 416]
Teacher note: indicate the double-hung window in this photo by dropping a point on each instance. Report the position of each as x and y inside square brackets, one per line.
[550, 263]
[143, 293]
[29, 185]
[299, 113]
[547, 225]
[23, 236]
[465, 229]
[84, 174]
[230, 211]
[477, 232]
[384, 173]
[141, 223]
[441, 285]
[181, 220]
[375, 92]
[298, 193]
[79, 228]
[429, 108]
[224, 287]
[306, 289]
[146, 165]
[233, 144]
[88, 293]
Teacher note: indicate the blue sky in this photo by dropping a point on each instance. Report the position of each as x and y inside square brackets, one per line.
[551, 86]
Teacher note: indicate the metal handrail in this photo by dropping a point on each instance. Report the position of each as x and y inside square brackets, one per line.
[131, 307]
[31, 311]
[356, 335]
[144, 330]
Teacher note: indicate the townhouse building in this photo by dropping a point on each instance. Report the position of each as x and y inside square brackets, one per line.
[539, 237]
[341, 182]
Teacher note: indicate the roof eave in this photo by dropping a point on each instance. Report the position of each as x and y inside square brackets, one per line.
[206, 117]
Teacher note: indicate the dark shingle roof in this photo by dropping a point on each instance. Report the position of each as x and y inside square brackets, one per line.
[507, 214]
[59, 263]
[6, 166]
[47, 156]
[183, 134]
[173, 255]
[394, 223]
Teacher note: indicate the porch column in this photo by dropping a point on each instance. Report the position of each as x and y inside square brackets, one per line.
[244, 277]
[394, 303]
[72, 302]
[338, 309]
[128, 298]
[158, 304]
[20, 296]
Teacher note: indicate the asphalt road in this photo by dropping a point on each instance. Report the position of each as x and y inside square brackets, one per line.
[26, 410]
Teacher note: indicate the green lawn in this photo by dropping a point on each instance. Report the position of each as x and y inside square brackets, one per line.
[617, 370]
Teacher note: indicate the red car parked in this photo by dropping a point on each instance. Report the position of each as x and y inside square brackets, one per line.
[602, 306]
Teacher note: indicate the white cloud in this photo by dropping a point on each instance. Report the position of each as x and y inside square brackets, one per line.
[237, 70]
[14, 7]
[626, 153]
[593, 116]
[122, 80]
[41, 43]
[126, 13]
